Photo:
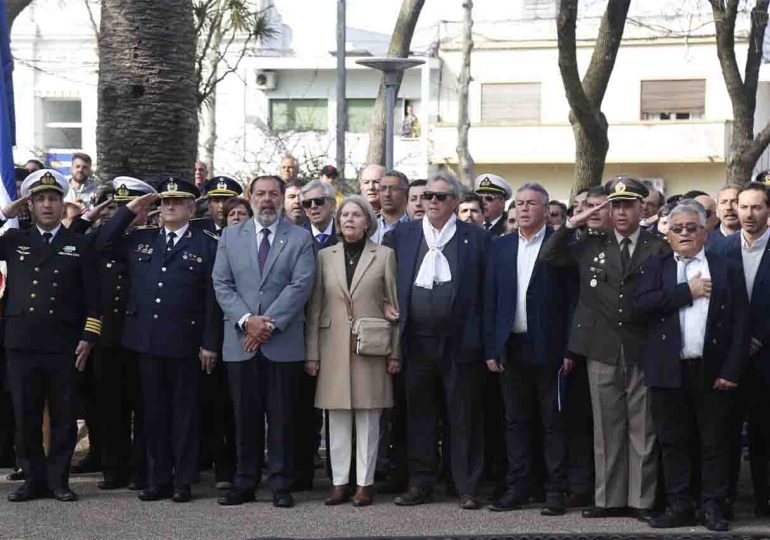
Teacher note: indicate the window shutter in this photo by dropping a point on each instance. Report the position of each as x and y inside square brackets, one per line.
[514, 102]
[674, 96]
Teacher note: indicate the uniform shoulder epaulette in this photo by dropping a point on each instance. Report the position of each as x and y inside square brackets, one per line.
[598, 233]
[147, 228]
[213, 235]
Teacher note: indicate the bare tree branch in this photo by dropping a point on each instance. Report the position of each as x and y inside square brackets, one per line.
[13, 8]
[597, 75]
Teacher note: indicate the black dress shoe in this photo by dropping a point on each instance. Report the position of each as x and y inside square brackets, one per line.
[27, 492]
[644, 515]
[712, 517]
[88, 464]
[469, 502]
[510, 500]
[554, 505]
[234, 497]
[674, 517]
[597, 512]
[16, 476]
[155, 493]
[113, 482]
[64, 494]
[137, 485]
[283, 499]
[181, 494]
[414, 496]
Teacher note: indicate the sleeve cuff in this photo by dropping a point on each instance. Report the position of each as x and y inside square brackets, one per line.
[242, 322]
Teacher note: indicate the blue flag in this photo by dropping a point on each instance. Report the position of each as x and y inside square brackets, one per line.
[7, 114]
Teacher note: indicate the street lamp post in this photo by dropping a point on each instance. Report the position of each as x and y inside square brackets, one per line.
[391, 68]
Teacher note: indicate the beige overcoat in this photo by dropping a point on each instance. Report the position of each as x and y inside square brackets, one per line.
[346, 380]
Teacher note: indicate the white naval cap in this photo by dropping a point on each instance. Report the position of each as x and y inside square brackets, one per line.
[128, 188]
[491, 183]
[45, 180]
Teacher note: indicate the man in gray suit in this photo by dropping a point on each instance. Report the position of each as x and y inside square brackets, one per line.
[263, 276]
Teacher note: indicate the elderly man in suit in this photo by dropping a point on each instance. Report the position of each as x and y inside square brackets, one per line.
[440, 264]
[606, 333]
[696, 305]
[525, 326]
[318, 201]
[750, 249]
[263, 276]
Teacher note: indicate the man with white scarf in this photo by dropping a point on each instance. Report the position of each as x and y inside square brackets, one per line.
[440, 278]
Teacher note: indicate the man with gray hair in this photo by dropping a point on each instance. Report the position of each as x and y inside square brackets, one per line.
[696, 308]
[393, 188]
[440, 263]
[318, 201]
[525, 328]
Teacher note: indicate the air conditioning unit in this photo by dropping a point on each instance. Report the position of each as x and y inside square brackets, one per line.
[266, 80]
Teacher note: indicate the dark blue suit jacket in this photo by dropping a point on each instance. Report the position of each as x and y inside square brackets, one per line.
[658, 298]
[465, 336]
[759, 308]
[332, 240]
[548, 309]
[715, 240]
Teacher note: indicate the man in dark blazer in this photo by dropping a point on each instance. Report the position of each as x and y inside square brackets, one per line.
[605, 332]
[696, 307]
[173, 323]
[52, 321]
[525, 327]
[749, 248]
[440, 290]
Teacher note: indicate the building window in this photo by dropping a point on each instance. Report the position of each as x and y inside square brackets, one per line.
[673, 99]
[298, 114]
[510, 103]
[359, 115]
[62, 124]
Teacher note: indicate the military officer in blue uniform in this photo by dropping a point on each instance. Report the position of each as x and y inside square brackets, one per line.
[52, 320]
[173, 323]
[117, 393]
[217, 192]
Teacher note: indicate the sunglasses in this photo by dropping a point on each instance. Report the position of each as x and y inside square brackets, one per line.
[490, 198]
[691, 228]
[429, 195]
[318, 201]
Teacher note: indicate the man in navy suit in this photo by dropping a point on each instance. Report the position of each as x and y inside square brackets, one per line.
[525, 327]
[697, 312]
[318, 201]
[440, 280]
[749, 248]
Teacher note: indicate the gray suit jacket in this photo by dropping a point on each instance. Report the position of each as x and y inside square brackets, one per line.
[280, 292]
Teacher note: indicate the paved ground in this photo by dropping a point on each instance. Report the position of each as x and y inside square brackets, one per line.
[119, 514]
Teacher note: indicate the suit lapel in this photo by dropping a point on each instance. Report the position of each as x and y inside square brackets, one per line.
[249, 239]
[640, 254]
[338, 268]
[611, 255]
[413, 253]
[719, 286]
[764, 268]
[510, 260]
[367, 257]
[275, 248]
[48, 251]
[462, 255]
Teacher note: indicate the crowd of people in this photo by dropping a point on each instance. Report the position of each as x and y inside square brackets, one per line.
[605, 356]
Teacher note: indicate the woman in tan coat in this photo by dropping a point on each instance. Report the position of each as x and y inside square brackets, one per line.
[353, 388]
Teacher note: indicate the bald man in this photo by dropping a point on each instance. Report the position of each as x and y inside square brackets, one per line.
[369, 183]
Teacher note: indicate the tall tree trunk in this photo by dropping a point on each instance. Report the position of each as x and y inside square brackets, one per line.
[585, 96]
[208, 107]
[13, 8]
[746, 146]
[148, 110]
[464, 157]
[399, 47]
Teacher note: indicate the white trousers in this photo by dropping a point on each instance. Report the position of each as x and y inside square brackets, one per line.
[341, 443]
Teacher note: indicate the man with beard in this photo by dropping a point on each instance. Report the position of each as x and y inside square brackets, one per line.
[263, 277]
[292, 204]
[369, 184]
[727, 210]
[415, 208]
[82, 187]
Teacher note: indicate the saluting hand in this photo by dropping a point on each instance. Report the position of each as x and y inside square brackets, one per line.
[208, 360]
[94, 213]
[142, 204]
[579, 219]
[81, 354]
[14, 209]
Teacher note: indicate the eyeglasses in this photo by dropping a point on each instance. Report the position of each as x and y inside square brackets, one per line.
[490, 198]
[691, 228]
[318, 201]
[428, 195]
[390, 189]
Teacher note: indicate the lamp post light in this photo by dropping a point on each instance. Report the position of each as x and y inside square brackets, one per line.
[391, 68]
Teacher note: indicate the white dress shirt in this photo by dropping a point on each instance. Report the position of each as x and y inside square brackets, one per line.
[634, 237]
[752, 256]
[52, 231]
[179, 232]
[692, 319]
[327, 232]
[525, 264]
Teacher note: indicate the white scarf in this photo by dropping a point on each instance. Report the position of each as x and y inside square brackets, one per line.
[435, 266]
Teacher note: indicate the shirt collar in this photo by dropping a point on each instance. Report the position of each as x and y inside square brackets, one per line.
[452, 219]
[272, 228]
[327, 232]
[179, 232]
[759, 244]
[634, 236]
[52, 231]
[700, 256]
[536, 238]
